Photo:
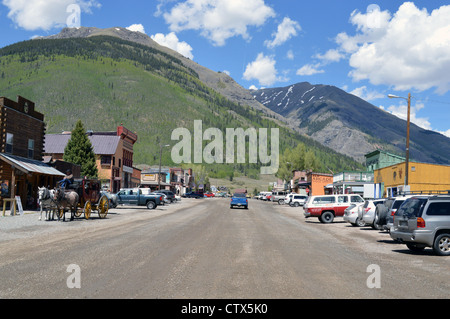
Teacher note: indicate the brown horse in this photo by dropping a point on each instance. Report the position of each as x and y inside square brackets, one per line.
[65, 200]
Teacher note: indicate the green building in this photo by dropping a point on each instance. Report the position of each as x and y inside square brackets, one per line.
[379, 159]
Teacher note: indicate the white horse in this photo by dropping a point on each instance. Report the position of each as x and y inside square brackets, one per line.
[47, 203]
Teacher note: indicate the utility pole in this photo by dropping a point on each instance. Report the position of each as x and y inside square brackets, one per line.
[160, 156]
[407, 141]
[408, 122]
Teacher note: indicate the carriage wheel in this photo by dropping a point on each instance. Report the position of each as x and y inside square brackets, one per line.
[78, 213]
[87, 210]
[103, 207]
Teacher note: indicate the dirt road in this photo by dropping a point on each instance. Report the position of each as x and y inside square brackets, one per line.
[204, 249]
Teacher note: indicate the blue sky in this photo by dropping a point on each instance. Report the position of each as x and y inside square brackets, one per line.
[368, 48]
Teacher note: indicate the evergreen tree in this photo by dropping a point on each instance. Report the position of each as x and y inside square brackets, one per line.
[79, 151]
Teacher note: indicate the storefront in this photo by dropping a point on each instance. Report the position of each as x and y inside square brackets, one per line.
[422, 178]
[22, 176]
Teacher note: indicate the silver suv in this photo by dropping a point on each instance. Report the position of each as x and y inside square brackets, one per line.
[424, 221]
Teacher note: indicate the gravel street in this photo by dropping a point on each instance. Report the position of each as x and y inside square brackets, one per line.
[201, 249]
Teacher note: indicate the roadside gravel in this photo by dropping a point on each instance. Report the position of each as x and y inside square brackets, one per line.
[28, 224]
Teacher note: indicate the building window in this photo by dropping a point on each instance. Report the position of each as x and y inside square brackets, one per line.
[9, 143]
[106, 160]
[30, 148]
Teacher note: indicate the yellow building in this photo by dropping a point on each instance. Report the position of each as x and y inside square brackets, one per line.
[422, 177]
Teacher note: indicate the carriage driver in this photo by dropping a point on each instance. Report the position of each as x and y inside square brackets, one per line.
[68, 179]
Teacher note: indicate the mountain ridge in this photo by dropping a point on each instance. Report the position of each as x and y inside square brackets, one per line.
[107, 81]
[351, 125]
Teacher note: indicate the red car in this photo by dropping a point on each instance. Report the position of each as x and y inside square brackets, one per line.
[209, 194]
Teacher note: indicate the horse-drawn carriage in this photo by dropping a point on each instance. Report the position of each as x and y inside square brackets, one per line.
[81, 197]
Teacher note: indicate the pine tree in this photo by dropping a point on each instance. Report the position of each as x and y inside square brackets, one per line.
[79, 151]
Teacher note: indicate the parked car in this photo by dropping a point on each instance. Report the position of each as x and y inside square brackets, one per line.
[193, 195]
[298, 200]
[166, 200]
[240, 200]
[221, 194]
[278, 197]
[135, 197]
[263, 195]
[368, 212]
[327, 207]
[384, 213]
[170, 195]
[424, 221]
[209, 194]
[351, 215]
[288, 198]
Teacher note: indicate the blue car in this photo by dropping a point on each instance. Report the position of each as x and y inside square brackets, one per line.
[239, 200]
[193, 195]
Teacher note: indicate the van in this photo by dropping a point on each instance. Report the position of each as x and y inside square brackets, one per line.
[279, 197]
[327, 207]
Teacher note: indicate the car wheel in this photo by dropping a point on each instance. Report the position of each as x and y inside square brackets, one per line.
[441, 245]
[379, 221]
[375, 222]
[382, 215]
[327, 217]
[231, 206]
[280, 201]
[360, 222]
[296, 204]
[151, 205]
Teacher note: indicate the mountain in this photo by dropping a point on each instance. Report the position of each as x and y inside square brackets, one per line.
[218, 81]
[350, 125]
[116, 76]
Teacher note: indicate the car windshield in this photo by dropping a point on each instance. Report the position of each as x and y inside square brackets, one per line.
[412, 207]
[239, 195]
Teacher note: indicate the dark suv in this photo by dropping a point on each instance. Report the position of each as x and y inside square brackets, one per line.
[424, 221]
[170, 195]
[384, 213]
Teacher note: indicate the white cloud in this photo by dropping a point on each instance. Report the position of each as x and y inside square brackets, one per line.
[136, 28]
[254, 88]
[171, 41]
[44, 15]
[286, 30]
[331, 55]
[409, 50]
[262, 69]
[446, 133]
[309, 69]
[401, 111]
[366, 94]
[218, 20]
[290, 55]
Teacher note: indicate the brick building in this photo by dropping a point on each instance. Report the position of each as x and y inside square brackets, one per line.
[113, 153]
[21, 168]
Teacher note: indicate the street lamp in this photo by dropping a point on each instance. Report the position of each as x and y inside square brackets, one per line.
[391, 96]
[160, 155]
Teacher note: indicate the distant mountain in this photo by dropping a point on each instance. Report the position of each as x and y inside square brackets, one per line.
[350, 125]
[116, 76]
[218, 81]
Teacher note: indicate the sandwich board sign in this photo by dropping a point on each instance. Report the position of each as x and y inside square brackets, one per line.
[19, 205]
